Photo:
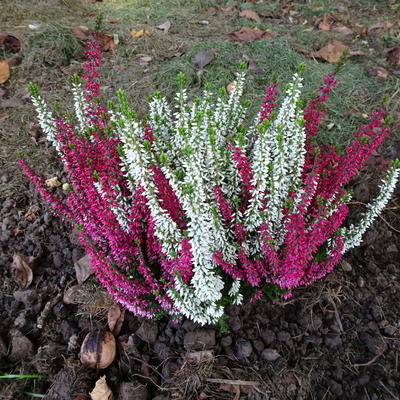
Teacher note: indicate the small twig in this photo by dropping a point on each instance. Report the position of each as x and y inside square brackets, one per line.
[46, 310]
[337, 317]
[388, 224]
[389, 391]
[233, 382]
[368, 362]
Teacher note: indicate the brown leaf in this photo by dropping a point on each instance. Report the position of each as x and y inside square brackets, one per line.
[101, 391]
[165, 26]
[83, 269]
[14, 61]
[379, 72]
[267, 15]
[212, 11]
[380, 26]
[331, 52]
[110, 42]
[10, 43]
[230, 87]
[144, 60]
[21, 266]
[355, 53]
[343, 29]
[80, 32]
[203, 58]
[139, 33]
[228, 10]
[250, 14]
[113, 20]
[358, 113]
[326, 23]
[394, 56]
[4, 71]
[115, 319]
[247, 34]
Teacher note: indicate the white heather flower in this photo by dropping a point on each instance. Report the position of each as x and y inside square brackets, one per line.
[353, 235]
[79, 105]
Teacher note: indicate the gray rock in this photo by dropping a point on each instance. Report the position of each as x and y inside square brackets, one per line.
[333, 340]
[268, 336]
[270, 355]
[284, 336]
[243, 349]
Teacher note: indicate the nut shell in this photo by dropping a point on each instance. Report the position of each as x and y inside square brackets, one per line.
[98, 349]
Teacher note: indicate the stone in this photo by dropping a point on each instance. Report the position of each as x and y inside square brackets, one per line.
[243, 349]
[270, 355]
[268, 336]
[333, 340]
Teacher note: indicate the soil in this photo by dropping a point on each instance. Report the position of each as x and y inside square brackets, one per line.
[337, 340]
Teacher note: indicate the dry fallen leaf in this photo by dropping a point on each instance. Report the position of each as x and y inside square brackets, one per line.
[250, 14]
[109, 42]
[139, 33]
[21, 266]
[331, 52]
[326, 23]
[203, 58]
[10, 43]
[115, 319]
[101, 391]
[211, 11]
[394, 56]
[165, 26]
[379, 26]
[4, 71]
[343, 29]
[53, 182]
[113, 20]
[144, 60]
[247, 34]
[230, 87]
[83, 269]
[358, 113]
[228, 10]
[379, 72]
[80, 32]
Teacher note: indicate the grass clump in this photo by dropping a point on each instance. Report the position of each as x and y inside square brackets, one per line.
[54, 46]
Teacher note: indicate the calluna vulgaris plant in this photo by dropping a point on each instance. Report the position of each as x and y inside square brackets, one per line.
[192, 209]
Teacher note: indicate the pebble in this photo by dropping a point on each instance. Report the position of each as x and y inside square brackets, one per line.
[21, 346]
[270, 355]
[26, 296]
[346, 266]
[333, 340]
[360, 282]
[132, 391]
[243, 349]
[226, 341]
[268, 336]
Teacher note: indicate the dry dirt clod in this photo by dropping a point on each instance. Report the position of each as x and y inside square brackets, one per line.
[98, 349]
[394, 56]
[200, 339]
[132, 391]
[270, 354]
[148, 332]
[203, 58]
[21, 346]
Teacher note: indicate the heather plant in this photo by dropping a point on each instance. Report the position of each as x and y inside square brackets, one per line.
[194, 207]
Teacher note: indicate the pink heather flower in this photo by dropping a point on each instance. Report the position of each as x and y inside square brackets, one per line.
[268, 103]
